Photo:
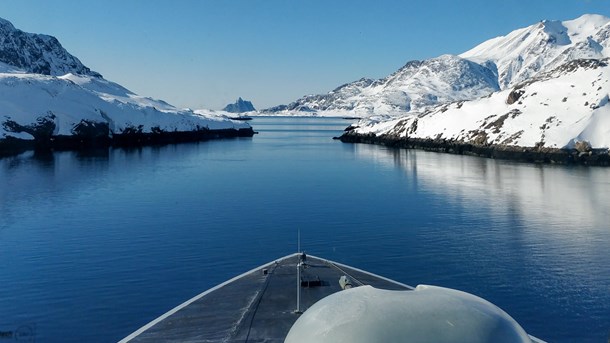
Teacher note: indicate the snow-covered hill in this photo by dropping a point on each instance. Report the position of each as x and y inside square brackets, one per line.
[565, 108]
[47, 94]
[68, 100]
[496, 64]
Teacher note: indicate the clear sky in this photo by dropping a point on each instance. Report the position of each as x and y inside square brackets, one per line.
[206, 53]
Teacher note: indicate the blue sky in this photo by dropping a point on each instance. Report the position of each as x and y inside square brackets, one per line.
[206, 53]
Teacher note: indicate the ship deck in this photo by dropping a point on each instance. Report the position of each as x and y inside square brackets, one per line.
[257, 306]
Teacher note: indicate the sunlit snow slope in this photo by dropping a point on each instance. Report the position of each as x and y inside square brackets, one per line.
[45, 92]
[555, 109]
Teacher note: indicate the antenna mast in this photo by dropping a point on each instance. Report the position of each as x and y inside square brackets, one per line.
[299, 263]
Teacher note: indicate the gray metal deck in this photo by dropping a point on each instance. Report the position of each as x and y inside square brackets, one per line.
[254, 307]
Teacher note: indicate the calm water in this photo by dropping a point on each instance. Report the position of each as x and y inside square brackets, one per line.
[95, 246]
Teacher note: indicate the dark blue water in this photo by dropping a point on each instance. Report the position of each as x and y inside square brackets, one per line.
[94, 246]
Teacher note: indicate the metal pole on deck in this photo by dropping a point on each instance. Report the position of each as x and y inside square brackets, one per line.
[298, 310]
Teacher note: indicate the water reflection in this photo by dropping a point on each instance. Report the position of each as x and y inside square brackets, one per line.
[33, 179]
[572, 199]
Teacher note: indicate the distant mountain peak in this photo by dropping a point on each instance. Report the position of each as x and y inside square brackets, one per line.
[525, 52]
[418, 84]
[239, 106]
[37, 53]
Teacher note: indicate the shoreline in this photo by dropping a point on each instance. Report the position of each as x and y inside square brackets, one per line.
[539, 155]
[11, 146]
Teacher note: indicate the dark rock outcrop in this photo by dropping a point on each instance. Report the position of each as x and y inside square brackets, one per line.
[93, 135]
[514, 96]
[599, 157]
[41, 130]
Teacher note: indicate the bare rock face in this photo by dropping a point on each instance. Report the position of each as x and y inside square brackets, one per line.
[514, 96]
[41, 130]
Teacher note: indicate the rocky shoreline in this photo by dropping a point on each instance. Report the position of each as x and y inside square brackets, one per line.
[584, 156]
[96, 139]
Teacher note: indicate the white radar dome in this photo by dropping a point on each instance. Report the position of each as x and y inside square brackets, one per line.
[426, 314]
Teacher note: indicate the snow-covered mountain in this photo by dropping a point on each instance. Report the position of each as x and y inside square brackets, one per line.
[565, 108]
[543, 46]
[417, 85]
[47, 95]
[553, 106]
[496, 64]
